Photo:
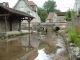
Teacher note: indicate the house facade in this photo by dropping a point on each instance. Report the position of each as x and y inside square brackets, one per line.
[52, 17]
[28, 7]
[56, 17]
[61, 16]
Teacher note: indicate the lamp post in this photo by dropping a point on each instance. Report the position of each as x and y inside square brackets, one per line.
[29, 20]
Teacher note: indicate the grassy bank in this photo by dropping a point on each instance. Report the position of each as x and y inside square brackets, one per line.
[74, 35]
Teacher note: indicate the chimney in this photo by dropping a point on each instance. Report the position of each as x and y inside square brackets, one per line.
[6, 4]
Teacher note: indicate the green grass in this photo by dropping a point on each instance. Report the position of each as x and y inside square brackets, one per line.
[74, 35]
[12, 35]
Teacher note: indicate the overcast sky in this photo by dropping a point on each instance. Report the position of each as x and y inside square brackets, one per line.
[63, 5]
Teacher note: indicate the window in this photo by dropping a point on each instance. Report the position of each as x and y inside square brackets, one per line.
[21, 6]
[28, 12]
[31, 13]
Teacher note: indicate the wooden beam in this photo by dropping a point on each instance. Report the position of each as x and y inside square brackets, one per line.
[22, 19]
[4, 14]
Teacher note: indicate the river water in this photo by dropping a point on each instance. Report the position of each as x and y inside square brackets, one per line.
[44, 47]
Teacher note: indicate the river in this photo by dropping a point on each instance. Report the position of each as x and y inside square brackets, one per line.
[44, 47]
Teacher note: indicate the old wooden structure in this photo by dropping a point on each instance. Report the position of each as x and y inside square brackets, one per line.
[10, 19]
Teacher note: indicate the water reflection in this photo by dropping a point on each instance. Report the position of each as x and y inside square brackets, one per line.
[43, 56]
[52, 49]
[44, 48]
[16, 49]
[46, 52]
[47, 48]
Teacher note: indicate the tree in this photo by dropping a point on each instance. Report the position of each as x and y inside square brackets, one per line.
[78, 12]
[50, 6]
[69, 15]
[42, 13]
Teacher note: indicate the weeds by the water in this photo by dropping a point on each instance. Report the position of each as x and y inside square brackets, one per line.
[74, 35]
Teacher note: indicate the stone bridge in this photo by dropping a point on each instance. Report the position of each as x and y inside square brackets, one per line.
[49, 26]
[44, 25]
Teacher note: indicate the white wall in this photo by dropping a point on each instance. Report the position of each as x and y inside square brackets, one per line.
[28, 8]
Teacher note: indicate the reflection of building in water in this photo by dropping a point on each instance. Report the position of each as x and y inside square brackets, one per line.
[13, 49]
[33, 40]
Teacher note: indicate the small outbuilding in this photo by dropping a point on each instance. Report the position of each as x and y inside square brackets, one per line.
[10, 19]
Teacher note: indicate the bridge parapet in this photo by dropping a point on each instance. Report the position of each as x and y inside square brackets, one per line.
[49, 25]
[44, 25]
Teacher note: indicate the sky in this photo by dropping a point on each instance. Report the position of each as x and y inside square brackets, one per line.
[62, 5]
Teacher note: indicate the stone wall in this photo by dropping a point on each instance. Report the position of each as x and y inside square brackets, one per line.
[47, 26]
[2, 25]
[61, 19]
[15, 25]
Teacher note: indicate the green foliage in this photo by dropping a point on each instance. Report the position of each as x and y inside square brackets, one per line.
[41, 30]
[50, 6]
[74, 35]
[15, 35]
[78, 12]
[42, 13]
[69, 15]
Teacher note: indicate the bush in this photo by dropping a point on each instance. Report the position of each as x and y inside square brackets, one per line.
[42, 31]
[74, 35]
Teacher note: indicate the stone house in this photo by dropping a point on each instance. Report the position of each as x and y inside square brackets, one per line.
[28, 7]
[61, 16]
[10, 19]
[51, 17]
[56, 17]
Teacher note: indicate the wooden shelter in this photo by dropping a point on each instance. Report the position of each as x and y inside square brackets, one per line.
[10, 19]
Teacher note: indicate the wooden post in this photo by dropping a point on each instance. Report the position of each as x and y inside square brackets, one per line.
[5, 16]
[5, 23]
[10, 25]
[29, 32]
[19, 25]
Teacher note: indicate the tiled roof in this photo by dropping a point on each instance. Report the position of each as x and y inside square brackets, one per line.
[60, 13]
[13, 11]
[31, 3]
[50, 16]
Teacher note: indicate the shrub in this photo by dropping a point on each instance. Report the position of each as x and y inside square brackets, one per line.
[74, 35]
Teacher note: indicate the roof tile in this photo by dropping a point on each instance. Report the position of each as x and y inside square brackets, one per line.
[50, 16]
[31, 3]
